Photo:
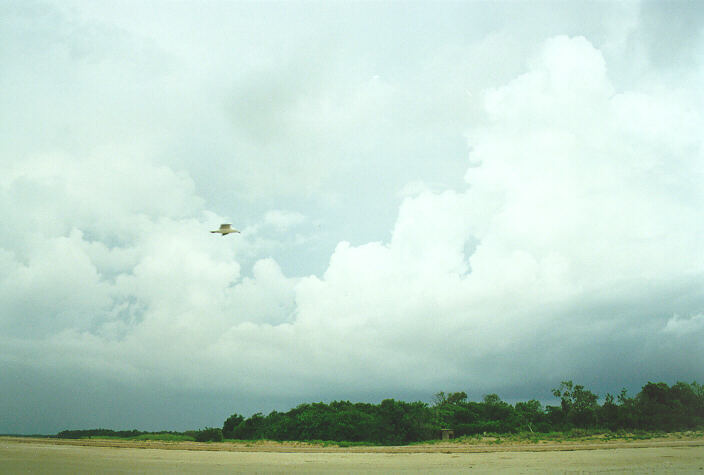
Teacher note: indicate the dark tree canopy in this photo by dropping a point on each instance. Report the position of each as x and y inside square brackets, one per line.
[657, 407]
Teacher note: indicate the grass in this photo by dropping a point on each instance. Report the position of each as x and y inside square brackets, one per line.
[314, 443]
[574, 435]
[162, 436]
[334, 443]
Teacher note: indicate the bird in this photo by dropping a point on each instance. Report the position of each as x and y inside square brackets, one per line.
[225, 229]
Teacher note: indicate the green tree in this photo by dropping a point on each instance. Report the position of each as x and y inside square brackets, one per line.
[251, 428]
[228, 427]
[607, 414]
[531, 415]
[579, 405]
[457, 398]
[661, 407]
[628, 416]
[500, 416]
[209, 434]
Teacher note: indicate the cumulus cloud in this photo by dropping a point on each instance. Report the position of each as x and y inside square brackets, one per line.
[567, 214]
[564, 252]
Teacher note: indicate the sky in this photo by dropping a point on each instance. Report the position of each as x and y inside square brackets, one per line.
[489, 197]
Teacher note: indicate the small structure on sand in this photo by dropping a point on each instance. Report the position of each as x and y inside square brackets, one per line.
[447, 434]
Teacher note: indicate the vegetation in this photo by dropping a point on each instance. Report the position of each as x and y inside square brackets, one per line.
[209, 434]
[87, 433]
[128, 435]
[656, 408]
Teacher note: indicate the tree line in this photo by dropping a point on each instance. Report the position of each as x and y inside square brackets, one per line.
[657, 407]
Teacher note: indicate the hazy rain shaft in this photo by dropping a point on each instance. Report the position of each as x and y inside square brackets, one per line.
[478, 197]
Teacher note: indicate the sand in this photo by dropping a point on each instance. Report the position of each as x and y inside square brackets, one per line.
[23, 455]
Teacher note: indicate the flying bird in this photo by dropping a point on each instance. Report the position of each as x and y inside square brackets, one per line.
[225, 229]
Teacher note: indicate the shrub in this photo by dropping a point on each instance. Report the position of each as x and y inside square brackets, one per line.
[209, 434]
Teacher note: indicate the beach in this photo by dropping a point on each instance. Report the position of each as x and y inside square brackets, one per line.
[24, 455]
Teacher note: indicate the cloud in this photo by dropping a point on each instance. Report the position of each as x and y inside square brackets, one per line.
[575, 236]
[562, 208]
[266, 297]
[560, 248]
[567, 213]
[685, 326]
[283, 220]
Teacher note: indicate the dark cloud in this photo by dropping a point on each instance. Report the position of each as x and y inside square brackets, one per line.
[504, 203]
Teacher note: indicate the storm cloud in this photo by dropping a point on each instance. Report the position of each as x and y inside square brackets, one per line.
[488, 198]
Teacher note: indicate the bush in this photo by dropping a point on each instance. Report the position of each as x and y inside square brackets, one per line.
[209, 434]
[228, 428]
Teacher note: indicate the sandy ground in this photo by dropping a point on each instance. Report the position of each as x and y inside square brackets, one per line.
[20, 455]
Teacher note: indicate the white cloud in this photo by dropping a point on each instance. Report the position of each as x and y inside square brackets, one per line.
[58, 288]
[575, 232]
[562, 207]
[266, 297]
[283, 220]
[680, 326]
